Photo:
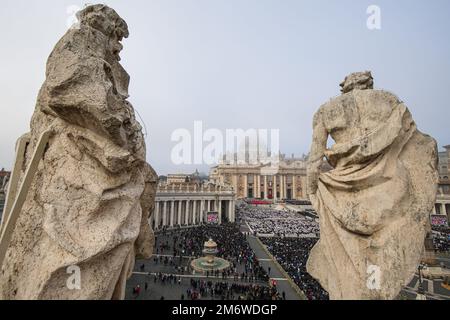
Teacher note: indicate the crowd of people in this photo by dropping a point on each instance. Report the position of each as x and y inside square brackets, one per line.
[288, 235]
[292, 255]
[230, 291]
[232, 246]
[441, 239]
[270, 222]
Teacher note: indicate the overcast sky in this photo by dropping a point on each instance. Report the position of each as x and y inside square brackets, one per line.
[265, 64]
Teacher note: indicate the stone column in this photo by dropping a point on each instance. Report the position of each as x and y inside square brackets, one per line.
[258, 187]
[234, 210]
[202, 211]
[194, 213]
[231, 211]
[186, 218]
[285, 186]
[245, 186]
[165, 214]
[444, 209]
[294, 188]
[281, 187]
[434, 209]
[157, 215]
[172, 212]
[180, 204]
[235, 183]
[266, 188]
[274, 188]
[220, 211]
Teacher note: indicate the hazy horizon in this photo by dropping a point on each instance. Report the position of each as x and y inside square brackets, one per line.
[233, 64]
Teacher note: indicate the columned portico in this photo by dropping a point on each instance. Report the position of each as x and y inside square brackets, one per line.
[189, 205]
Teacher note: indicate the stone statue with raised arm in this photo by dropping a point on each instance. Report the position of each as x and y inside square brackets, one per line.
[374, 204]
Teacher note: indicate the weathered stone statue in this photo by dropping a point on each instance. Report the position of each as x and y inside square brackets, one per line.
[89, 202]
[374, 204]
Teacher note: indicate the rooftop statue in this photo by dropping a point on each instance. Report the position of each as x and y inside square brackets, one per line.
[374, 204]
[89, 202]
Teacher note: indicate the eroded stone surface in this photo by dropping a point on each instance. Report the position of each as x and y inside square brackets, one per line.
[89, 203]
[374, 204]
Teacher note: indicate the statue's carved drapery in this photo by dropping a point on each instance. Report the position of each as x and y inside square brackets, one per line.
[90, 200]
[374, 205]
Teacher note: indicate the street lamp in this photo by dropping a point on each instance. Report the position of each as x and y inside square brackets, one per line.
[421, 289]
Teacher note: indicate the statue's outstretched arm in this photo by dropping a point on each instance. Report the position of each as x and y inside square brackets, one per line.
[319, 145]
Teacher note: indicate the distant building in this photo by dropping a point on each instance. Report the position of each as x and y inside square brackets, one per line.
[177, 178]
[282, 179]
[184, 178]
[189, 200]
[444, 164]
[442, 208]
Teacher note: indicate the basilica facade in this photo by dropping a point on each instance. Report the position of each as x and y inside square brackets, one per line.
[283, 179]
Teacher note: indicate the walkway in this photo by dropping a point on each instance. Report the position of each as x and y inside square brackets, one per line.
[266, 262]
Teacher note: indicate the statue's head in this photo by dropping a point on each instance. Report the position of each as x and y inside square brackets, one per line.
[108, 22]
[357, 81]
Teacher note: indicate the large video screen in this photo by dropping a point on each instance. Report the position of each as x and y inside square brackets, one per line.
[212, 218]
[439, 221]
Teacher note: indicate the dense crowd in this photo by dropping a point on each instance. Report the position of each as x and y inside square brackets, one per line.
[244, 280]
[292, 255]
[441, 239]
[267, 221]
[232, 246]
[229, 291]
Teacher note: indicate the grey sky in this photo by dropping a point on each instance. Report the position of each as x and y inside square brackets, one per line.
[240, 63]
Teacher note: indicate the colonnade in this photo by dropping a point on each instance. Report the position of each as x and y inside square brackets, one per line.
[191, 212]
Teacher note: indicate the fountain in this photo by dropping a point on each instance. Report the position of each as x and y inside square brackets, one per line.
[210, 262]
